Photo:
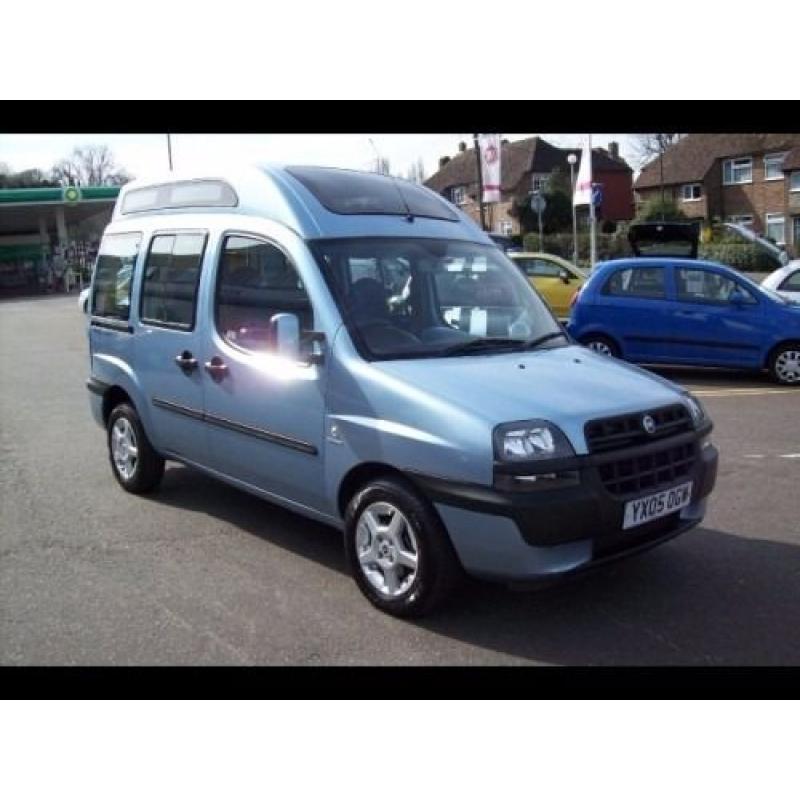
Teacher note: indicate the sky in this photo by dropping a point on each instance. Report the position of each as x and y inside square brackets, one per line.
[141, 154]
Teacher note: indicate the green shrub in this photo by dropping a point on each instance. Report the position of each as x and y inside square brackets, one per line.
[654, 210]
[743, 256]
[609, 245]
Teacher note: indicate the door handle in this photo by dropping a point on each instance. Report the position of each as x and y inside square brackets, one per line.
[216, 368]
[186, 361]
[691, 314]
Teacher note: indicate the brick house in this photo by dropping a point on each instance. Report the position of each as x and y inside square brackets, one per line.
[525, 165]
[750, 178]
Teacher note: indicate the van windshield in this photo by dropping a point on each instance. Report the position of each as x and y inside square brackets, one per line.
[429, 298]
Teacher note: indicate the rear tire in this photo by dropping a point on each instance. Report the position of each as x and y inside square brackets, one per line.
[784, 364]
[137, 467]
[601, 344]
[398, 550]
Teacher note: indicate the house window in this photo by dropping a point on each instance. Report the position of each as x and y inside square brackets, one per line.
[506, 227]
[776, 228]
[742, 219]
[737, 170]
[539, 183]
[459, 195]
[794, 181]
[691, 191]
[797, 233]
[773, 166]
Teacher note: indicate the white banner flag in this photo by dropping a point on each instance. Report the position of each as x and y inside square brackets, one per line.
[489, 144]
[583, 186]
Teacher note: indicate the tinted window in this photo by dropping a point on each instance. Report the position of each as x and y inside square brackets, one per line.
[112, 278]
[171, 276]
[637, 282]
[255, 282]
[703, 286]
[792, 283]
[538, 268]
[348, 192]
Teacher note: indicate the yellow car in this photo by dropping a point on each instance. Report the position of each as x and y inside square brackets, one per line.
[555, 278]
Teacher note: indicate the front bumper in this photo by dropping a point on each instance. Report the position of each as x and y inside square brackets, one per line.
[549, 532]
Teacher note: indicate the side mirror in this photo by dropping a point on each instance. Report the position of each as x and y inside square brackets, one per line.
[565, 276]
[284, 332]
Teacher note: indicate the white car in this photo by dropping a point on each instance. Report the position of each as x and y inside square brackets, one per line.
[785, 281]
[83, 300]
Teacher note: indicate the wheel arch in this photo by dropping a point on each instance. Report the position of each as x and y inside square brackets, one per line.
[361, 474]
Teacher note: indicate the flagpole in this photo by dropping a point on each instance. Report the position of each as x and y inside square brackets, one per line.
[480, 180]
[592, 217]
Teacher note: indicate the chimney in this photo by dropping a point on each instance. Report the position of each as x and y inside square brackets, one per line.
[613, 149]
[462, 147]
[443, 161]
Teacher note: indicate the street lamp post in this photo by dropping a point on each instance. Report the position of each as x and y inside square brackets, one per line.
[571, 159]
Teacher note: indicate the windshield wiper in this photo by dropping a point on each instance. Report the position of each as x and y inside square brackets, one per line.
[532, 344]
[477, 345]
[500, 343]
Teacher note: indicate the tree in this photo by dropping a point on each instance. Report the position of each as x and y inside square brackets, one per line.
[557, 215]
[90, 165]
[647, 146]
[26, 179]
[658, 210]
[416, 172]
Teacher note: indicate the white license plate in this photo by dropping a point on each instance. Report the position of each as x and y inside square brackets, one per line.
[645, 509]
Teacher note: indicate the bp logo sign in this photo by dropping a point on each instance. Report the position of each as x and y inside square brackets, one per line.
[71, 194]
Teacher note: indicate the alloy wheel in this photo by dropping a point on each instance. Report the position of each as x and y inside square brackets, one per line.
[387, 549]
[124, 448]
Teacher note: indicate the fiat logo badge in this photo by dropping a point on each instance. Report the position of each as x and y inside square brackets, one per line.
[649, 424]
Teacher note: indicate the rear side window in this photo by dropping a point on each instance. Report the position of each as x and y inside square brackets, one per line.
[171, 277]
[538, 268]
[703, 286]
[111, 295]
[256, 281]
[792, 283]
[637, 282]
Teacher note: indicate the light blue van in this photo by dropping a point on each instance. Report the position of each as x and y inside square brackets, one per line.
[353, 347]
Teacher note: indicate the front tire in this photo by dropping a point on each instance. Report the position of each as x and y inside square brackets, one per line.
[601, 344]
[135, 464]
[398, 550]
[784, 364]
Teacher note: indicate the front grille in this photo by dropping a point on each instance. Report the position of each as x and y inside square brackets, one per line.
[627, 430]
[637, 474]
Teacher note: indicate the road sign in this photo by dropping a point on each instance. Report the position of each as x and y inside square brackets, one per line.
[538, 203]
[597, 194]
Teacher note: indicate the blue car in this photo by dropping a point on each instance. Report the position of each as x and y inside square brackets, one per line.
[353, 347]
[688, 312]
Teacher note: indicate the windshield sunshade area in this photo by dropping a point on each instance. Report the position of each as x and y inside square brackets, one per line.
[347, 192]
[429, 298]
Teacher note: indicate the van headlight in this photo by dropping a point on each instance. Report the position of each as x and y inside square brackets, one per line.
[530, 440]
[697, 410]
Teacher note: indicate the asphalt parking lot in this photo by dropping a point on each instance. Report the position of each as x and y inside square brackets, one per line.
[200, 573]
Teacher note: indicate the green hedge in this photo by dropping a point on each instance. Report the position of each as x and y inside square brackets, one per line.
[744, 256]
[609, 245]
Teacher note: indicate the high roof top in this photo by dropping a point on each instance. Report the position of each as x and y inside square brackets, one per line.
[315, 202]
